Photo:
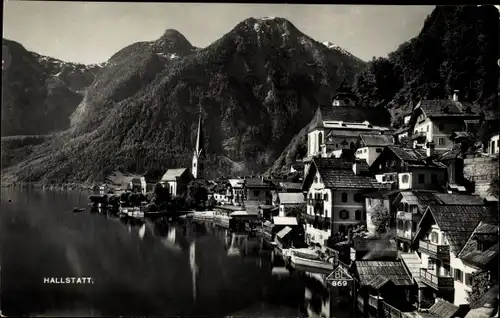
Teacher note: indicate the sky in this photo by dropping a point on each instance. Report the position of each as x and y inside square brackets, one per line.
[87, 32]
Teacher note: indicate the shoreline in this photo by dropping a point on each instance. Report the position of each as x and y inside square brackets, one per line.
[43, 186]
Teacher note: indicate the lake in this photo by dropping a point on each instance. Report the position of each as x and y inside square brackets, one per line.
[153, 268]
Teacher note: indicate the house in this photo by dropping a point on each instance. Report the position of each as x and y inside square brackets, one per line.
[436, 120]
[150, 179]
[401, 134]
[371, 145]
[335, 199]
[287, 201]
[493, 146]
[383, 287]
[408, 168]
[259, 189]
[104, 189]
[236, 191]
[442, 233]
[337, 126]
[119, 181]
[220, 192]
[177, 181]
[290, 187]
[411, 205]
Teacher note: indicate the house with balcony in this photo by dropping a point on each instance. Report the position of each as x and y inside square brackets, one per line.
[235, 193]
[442, 233]
[383, 289]
[436, 120]
[335, 199]
[370, 146]
[259, 189]
[408, 168]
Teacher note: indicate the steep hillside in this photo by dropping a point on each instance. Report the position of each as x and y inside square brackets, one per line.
[39, 93]
[258, 86]
[457, 49]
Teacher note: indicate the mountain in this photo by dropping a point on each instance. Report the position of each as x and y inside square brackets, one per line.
[457, 49]
[257, 86]
[39, 93]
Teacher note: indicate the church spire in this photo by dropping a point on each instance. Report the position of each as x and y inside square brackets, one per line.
[199, 152]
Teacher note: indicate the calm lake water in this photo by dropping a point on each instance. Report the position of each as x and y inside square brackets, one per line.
[156, 268]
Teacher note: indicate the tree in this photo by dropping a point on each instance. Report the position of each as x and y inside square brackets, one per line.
[161, 195]
[480, 285]
[196, 193]
[493, 190]
[380, 218]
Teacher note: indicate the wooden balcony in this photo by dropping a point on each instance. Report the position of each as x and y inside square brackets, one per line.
[434, 250]
[405, 216]
[434, 281]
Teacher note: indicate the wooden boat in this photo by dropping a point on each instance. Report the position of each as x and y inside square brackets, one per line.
[308, 258]
[75, 210]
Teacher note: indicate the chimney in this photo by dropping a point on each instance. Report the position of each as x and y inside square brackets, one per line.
[455, 95]
[430, 149]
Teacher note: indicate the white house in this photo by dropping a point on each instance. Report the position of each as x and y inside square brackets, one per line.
[176, 180]
[236, 191]
[441, 235]
[493, 145]
[334, 198]
[436, 120]
[370, 146]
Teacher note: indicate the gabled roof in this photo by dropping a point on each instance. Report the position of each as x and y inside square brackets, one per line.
[284, 232]
[376, 140]
[236, 183]
[291, 198]
[424, 198]
[448, 108]
[173, 174]
[285, 220]
[338, 173]
[153, 175]
[350, 114]
[290, 185]
[413, 263]
[410, 156]
[258, 183]
[457, 221]
[469, 252]
[443, 309]
[392, 270]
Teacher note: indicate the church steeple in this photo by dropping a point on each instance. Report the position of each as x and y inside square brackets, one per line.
[199, 152]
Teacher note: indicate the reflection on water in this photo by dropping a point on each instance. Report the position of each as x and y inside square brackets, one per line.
[150, 267]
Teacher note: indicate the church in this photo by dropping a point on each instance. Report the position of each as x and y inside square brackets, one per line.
[178, 179]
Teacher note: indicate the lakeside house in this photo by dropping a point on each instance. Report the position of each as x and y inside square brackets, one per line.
[370, 146]
[235, 191]
[259, 189]
[335, 199]
[408, 168]
[443, 232]
[176, 180]
[150, 179]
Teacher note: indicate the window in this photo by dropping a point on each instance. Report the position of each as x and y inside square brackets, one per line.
[468, 279]
[434, 178]
[344, 197]
[434, 237]
[441, 141]
[367, 149]
[378, 150]
[414, 226]
[325, 196]
[358, 215]
[344, 214]
[421, 178]
[316, 179]
[458, 275]
[383, 178]
[441, 126]
[416, 132]
[194, 164]
[369, 201]
[320, 139]
[431, 264]
[358, 197]
[405, 178]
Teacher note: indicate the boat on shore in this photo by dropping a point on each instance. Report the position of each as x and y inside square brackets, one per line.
[307, 257]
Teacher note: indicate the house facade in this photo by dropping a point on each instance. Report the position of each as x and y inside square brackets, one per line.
[436, 120]
[493, 146]
[288, 202]
[334, 197]
[370, 146]
[177, 181]
[442, 234]
[259, 189]
[408, 168]
[235, 193]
